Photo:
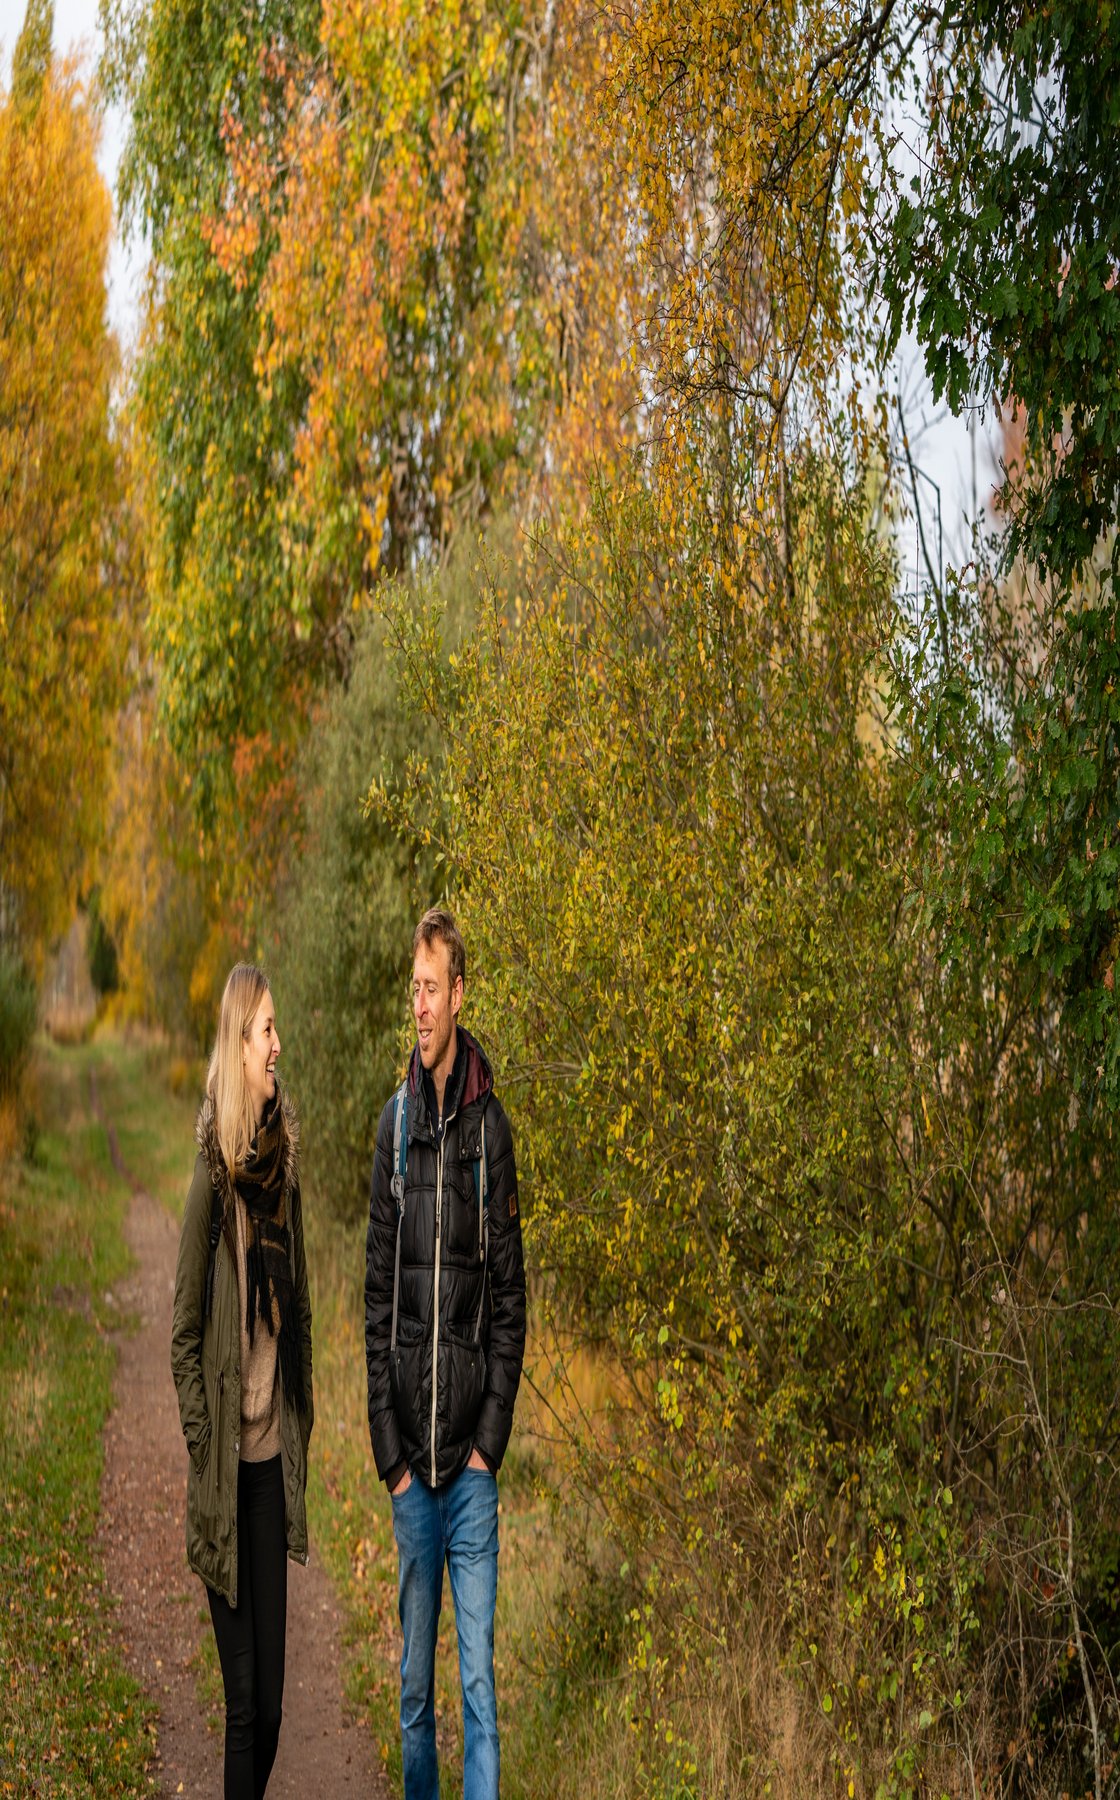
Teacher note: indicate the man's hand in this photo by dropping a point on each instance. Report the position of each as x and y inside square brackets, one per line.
[403, 1485]
[476, 1461]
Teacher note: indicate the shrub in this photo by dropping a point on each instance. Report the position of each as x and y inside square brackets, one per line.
[821, 1199]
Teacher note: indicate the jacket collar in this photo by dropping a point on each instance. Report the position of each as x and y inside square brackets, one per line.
[471, 1084]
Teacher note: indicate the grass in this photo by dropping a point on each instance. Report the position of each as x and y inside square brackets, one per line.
[72, 1721]
[207, 1673]
[154, 1125]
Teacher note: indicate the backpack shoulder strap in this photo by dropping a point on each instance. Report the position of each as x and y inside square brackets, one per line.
[400, 1144]
[481, 1177]
[400, 1164]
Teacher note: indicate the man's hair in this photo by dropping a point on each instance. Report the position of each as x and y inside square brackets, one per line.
[438, 926]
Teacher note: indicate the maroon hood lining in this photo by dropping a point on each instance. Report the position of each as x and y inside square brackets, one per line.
[478, 1080]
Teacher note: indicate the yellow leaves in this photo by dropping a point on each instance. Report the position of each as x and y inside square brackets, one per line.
[373, 522]
[58, 490]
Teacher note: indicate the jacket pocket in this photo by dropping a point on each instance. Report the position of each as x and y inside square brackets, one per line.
[410, 1382]
[204, 1499]
[462, 1383]
[212, 1468]
[466, 1224]
[200, 1455]
[215, 1457]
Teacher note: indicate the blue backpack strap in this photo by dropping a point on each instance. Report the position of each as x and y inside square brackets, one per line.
[396, 1185]
[400, 1144]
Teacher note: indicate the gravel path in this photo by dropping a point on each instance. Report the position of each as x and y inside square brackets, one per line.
[163, 1611]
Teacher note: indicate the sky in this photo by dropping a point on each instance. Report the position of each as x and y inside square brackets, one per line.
[956, 463]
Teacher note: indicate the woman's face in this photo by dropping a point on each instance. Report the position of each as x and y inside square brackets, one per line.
[260, 1050]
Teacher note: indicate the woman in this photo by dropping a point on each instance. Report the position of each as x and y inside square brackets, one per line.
[241, 1358]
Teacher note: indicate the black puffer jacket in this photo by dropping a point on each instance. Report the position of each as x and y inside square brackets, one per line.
[461, 1306]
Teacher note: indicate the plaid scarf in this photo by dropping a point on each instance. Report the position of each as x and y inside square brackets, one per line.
[261, 1185]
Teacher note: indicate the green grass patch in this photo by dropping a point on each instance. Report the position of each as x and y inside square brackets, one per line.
[207, 1672]
[154, 1126]
[72, 1721]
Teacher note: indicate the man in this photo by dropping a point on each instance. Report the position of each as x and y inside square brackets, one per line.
[445, 1339]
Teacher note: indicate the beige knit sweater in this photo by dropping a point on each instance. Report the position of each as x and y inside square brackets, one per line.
[260, 1395]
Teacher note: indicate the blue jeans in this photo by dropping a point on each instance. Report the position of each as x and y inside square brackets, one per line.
[457, 1524]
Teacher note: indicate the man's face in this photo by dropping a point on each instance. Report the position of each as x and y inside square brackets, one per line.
[435, 1004]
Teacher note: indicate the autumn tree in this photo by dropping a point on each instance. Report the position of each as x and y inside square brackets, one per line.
[355, 339]
[229, 635]
[58, 629]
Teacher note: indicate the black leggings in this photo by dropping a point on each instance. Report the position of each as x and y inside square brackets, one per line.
[251, 1636]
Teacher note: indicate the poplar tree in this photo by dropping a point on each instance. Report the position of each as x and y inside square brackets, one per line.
[57, 488]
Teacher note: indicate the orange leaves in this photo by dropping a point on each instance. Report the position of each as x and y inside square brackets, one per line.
[234, 235]
[432, 260]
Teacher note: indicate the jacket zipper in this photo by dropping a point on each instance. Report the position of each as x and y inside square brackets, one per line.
[435, 1304]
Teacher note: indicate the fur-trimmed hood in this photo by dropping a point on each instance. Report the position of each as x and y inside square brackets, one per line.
[206, 1137]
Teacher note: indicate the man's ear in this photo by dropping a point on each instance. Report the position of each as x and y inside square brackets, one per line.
[456, 995]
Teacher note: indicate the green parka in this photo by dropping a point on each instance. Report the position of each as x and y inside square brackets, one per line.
[206, 1365]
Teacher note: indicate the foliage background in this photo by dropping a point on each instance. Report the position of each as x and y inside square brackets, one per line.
[501, 505]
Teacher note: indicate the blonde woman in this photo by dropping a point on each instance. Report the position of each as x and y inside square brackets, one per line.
[241, 1358]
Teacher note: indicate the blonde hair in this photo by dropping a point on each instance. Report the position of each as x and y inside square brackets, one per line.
[234, 1120]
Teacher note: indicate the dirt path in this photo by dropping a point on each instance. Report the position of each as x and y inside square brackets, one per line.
[163, 1612]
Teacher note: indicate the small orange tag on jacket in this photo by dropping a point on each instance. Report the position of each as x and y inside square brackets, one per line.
[513, 1204]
